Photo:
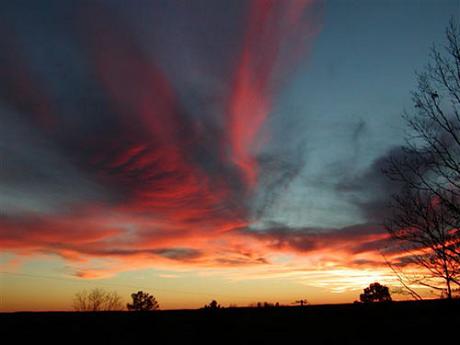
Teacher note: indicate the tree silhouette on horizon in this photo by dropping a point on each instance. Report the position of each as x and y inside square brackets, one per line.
[301, 302]
[97, 300]
[424, 217]
[143, 301]
[213, 305]
[375, 293]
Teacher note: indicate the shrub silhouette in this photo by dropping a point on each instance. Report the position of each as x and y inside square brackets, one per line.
[213, 305]
[143, 301]
[375, 293]
[301, 302]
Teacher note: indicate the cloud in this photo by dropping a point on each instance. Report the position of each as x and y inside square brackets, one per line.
[355, 239]
[257, 75]
[128, 172]
[371, 190]
[35, 177]
[178, 253]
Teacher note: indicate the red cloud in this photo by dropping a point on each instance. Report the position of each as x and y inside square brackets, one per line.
[271, 26]
[168, 206]
[152, 158]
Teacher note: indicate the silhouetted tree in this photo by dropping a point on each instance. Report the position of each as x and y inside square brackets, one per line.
[213, 305]
[113, 301]
[142, 301]
[405, 288]
[301, 302]
[375, 293]
[97, 300]
[425, 214]
[422, 227]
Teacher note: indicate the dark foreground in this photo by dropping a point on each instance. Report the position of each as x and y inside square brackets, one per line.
[429, 322]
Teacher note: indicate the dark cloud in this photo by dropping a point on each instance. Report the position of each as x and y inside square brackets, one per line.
[355, 239]
[278, 171]
[379, 245]
[241, 261]
[178, 253]
[36, 177]
[372, 190]
[359, 130]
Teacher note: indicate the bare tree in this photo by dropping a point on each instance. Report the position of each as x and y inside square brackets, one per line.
[113, 301]
[425, 214]
[405, 284]
[421, 225]
[97, 300]
[80, 301]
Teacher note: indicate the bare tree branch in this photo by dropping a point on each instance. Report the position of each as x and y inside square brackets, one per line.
[425, 214]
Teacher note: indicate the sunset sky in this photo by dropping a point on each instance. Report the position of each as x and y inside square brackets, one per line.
[200, 150]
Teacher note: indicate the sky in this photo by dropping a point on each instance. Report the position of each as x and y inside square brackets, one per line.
[200, 150]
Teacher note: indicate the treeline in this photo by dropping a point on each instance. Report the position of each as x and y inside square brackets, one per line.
[98, 300]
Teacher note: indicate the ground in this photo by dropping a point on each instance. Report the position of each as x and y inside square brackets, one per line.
[428, 322]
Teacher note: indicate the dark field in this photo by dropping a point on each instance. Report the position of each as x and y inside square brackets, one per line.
[428, 322]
